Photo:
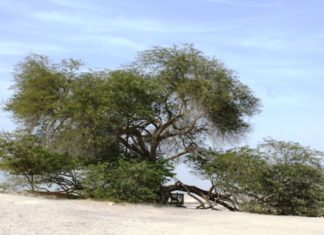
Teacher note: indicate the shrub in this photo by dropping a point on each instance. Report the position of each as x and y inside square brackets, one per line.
[277, 177]
[125, 181]
[25, 158]
[295, 182]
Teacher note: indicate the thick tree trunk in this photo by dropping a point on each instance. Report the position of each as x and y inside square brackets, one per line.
[193, 191]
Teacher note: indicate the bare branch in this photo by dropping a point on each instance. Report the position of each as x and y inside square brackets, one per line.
[178, 155]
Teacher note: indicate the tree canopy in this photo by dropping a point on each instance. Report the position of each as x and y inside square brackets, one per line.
[160, 107]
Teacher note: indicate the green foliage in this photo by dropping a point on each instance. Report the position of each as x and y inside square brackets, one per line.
[168, 95]
[277, 177]
[159, 108]
[125, 181]
[132, 96]
[295, 183]
[40, 88]
[238, 172]
[23, 156]
[211, 88]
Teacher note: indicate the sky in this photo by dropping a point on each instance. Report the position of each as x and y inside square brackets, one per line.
[275, 47]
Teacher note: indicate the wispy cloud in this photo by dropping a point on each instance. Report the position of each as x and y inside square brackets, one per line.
[69, 3]
[282, 42]
[263, 42]
[19, 48]
[111, 24]
[249, 3]
[105, 40]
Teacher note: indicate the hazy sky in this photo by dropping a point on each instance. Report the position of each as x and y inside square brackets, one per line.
[276, 47]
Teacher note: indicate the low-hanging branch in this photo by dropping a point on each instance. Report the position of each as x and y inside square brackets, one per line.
[208, 196]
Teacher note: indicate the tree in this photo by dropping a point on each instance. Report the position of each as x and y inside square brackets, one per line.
[278, 177]
[163, 106]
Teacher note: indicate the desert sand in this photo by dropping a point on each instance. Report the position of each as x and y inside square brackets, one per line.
[35, 215]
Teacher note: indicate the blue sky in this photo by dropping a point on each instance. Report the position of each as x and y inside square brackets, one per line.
[275, 47]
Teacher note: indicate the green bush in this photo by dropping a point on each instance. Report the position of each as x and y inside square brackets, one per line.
[24, 157]
[277, 177]
[295, 180]
[125, 181]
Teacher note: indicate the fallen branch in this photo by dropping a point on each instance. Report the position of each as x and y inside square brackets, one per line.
[194, 191]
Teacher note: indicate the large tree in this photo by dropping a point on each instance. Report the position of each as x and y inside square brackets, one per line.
[167, 104]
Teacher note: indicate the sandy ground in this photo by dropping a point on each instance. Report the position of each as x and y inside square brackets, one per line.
[34, 215]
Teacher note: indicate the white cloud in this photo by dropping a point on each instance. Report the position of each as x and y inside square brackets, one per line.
[263, 42]
[248, 3]
[108, 40]
[106, 24]
[68, 3]
[283, 43]
[21, 48]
